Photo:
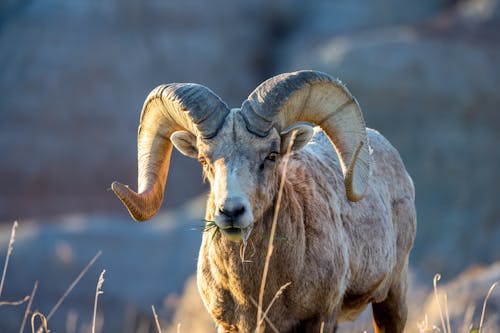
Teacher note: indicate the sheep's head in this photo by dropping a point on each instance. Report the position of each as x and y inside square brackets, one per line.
[238, 163]
[240, 148]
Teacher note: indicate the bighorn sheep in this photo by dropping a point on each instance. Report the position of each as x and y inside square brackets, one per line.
[347, 218]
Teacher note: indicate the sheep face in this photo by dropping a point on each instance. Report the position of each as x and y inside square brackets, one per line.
[240, 167]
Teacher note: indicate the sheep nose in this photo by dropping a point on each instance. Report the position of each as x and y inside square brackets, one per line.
[232, 210]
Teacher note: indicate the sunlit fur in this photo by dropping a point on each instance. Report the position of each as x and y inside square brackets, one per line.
[234, 158]
[338, 255]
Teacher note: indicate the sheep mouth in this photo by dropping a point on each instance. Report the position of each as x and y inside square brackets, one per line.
[236, 234]
[232, 233]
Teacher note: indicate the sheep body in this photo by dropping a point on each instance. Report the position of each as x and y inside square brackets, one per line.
[346, 223]
[338, 255]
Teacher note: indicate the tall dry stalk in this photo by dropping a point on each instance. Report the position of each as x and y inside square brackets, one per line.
[70, 288]
[484, 306]
[264, 317]
[9, 252]
[276, 296]
[44, 327]
[28, 307]
[15, 303]
[72, 285]
[437, 277]
[98, 291]
[157, 321]
[270, 246]
[5, 266]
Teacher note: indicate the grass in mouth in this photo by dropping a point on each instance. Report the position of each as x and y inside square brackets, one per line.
[209, 226]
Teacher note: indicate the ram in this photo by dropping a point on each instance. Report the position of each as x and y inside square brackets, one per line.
[346, 221]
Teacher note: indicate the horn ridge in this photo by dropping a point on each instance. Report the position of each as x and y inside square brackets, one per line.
[168, 108]
[317, 98]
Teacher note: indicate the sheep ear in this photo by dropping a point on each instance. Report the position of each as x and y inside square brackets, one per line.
[185, 142]
[303, 134]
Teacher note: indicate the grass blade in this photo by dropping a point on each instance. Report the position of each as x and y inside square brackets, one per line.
[98, 291]
[43, 327]
[273, 231]
[70, 288]
[157, 321]
[276, 296]
[437, 277]
[16, 303]
[28, 307]
[9, 252]
[484, 305]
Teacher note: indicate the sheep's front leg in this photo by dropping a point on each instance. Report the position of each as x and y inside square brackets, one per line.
[390, 315]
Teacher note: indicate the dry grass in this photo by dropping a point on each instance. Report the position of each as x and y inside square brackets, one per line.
[484, 306]
[270, 246]
[6, 265]
[192, 300]
[440, 298]
[467, 326]
[28, 307]
[44, 327]
[72, 285]
[9, 252]
[157, 321]
[98, 291]
[437, 277]
[68, 291]
[424, 327]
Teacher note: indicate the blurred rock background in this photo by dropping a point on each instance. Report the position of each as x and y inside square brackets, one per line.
[74, 75]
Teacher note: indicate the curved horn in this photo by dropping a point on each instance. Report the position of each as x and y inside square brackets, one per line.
[315, 97]
[168, 108]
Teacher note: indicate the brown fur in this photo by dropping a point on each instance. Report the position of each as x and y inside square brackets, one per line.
[338, 255]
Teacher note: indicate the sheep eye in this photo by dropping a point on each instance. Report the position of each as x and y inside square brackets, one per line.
[272, 156]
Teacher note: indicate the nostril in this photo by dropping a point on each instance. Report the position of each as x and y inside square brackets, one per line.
[232, 212]
[239, 211]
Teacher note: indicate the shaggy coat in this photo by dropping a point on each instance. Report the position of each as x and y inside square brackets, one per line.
[338, 255]
[346, 220]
